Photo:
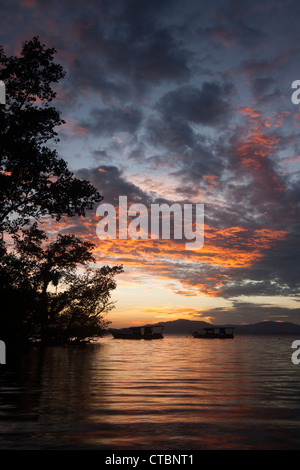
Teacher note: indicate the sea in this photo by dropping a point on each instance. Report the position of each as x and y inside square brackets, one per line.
[177, 393]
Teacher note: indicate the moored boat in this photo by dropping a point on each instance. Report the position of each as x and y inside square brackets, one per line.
[138, 332]
[214, 332]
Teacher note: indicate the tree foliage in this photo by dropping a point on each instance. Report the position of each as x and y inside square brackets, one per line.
[34, 180]
[44, 294]
[59, 302]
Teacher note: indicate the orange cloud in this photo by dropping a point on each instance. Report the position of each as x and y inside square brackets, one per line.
[224, 249]
[162, 313]
[256, 145]
[211, 180]
[248, 111]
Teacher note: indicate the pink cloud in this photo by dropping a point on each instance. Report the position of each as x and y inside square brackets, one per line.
[72, 129]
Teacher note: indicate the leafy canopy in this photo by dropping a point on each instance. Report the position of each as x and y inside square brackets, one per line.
[34, 180]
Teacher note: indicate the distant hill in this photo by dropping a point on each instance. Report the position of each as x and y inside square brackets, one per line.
[185, 327]
[269, 328]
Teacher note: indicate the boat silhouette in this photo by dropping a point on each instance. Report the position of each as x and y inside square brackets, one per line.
[214, 332]
[138, 332]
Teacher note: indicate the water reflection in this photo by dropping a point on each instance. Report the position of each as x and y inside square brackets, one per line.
[176, 393]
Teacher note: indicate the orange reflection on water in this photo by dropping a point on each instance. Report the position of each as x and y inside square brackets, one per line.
[174, 393]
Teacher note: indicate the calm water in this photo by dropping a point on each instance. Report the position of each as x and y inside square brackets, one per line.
[178, 393]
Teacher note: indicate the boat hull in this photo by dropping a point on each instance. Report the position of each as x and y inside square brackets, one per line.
[214, 332]
[128, 336]
[137, 333]
[213, 336]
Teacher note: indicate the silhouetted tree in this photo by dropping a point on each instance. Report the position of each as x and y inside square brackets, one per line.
[34, 181]
[43, 294]
[79, 311]
[59, 303]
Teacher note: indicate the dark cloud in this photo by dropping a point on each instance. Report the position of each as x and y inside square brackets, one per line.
[260, 67]
[111, 183]
[174, 134]
[234, 33]
[131, 42]
[247, 312]
[276, 273]
[88, 74]
[208, 105]
[108, 121]
[262, 85]
[154, 59]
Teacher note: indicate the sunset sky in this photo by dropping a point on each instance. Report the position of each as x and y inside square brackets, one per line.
[187, 102]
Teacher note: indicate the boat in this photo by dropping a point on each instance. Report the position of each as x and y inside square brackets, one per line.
[138, 332]
[214, 332]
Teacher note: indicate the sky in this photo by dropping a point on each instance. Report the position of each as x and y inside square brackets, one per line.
[183, 102]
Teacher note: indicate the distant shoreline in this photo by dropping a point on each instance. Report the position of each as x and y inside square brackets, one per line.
[185, 327]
